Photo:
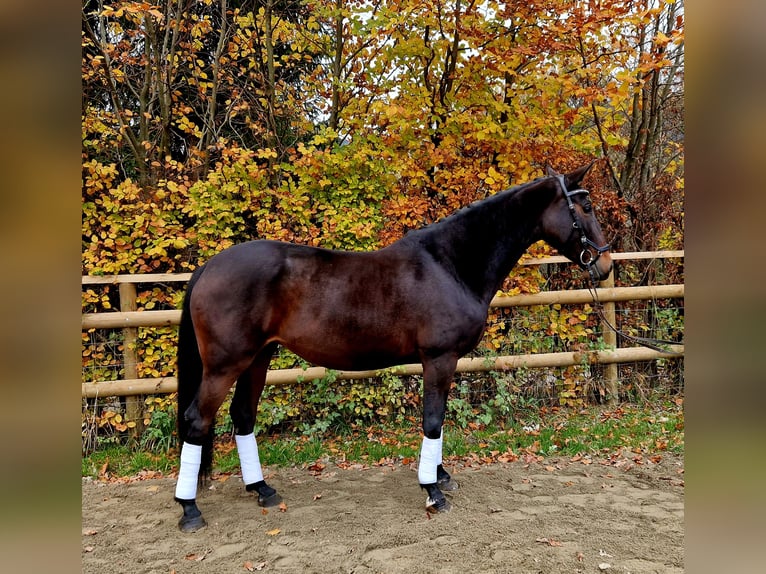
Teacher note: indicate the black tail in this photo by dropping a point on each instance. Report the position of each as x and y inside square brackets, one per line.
[190, 378]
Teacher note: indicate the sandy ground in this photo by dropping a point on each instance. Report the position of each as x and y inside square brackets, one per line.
[527, 516]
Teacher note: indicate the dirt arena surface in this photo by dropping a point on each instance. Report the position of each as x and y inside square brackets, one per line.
[551, 516]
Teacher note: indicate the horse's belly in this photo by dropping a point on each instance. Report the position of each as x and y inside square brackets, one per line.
[358, 353]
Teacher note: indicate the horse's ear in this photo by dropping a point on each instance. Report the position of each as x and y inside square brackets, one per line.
[576, 177]
[549, 170]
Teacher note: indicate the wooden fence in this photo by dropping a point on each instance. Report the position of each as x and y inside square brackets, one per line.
[129, 320]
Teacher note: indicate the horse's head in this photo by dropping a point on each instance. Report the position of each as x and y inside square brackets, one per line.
[570, 225]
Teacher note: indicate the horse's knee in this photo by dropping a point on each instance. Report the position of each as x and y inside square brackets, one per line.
[197, 426]
[432, 427]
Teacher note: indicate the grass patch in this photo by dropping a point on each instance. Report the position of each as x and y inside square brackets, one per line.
[644, 429]
[120, 460]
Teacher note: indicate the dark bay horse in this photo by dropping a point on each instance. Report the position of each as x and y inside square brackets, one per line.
[424, 298]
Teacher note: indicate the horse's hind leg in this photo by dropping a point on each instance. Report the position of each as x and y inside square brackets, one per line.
[194, 461]
[244, 408]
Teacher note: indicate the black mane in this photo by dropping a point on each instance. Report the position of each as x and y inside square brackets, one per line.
[481, 242]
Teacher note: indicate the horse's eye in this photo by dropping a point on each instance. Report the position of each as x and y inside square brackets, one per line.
[587, 207]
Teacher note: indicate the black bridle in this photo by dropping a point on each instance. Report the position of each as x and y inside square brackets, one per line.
[588, 246]
[588, 260]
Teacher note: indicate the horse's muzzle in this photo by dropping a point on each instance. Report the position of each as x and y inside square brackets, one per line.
[601, 267]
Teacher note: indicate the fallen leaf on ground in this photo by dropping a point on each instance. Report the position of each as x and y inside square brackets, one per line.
[317, 496]
[282, 507]
[549, 541]
[273, 532]
[89, 531]
[316, 468]
[508, 457]
[196, 557]
[89, 548]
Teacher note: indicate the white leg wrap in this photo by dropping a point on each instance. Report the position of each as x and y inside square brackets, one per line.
[191, 458]
[430, 458]
[249, 460]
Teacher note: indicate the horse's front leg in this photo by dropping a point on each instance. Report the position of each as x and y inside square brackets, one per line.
[437, 377]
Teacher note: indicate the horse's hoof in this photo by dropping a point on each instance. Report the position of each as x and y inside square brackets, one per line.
[434, 506]
[444, 481]
[269, 500]
[447, 484]
[267, 496]
[189, 524]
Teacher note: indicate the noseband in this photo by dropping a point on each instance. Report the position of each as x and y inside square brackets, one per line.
[586, 255]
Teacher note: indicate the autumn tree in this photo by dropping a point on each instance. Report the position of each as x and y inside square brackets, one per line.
[183, 80]
[638, 118]
[347, 122]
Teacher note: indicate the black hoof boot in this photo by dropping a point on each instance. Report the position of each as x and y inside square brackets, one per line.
[192, 520]
[436, 501]
[267, 496]
[444, 481]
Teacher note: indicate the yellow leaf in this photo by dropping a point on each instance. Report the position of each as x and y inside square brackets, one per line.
[273, 532]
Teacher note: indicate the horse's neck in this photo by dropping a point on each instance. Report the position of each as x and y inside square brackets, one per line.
[483, 243]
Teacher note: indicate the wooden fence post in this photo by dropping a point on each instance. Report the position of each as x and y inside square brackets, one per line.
[610, 340]
[133, 405]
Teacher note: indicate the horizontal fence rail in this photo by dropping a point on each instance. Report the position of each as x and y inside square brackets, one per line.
[130, 320]
[466, 365]
[117, 319]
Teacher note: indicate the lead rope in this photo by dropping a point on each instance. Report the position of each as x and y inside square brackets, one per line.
[649, 342]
